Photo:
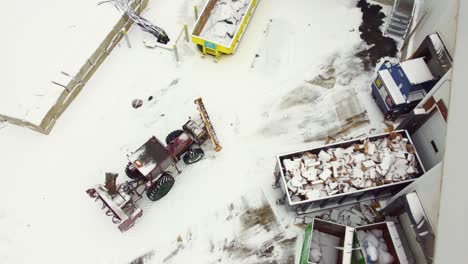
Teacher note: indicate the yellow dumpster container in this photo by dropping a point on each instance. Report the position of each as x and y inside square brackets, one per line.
[211, 46]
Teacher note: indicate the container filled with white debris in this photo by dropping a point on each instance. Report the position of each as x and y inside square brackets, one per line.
[221, 25]
[327, 242]
[348, 172]
[380, 244]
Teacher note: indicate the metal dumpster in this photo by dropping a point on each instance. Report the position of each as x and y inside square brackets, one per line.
[211, 46]
[339, 199]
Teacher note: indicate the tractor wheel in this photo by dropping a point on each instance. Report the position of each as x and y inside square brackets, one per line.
[173, 135]
[193, 156]
[134, 174]
[161, 187]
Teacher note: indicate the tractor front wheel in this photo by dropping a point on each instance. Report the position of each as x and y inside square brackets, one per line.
[193, 155]
[161, 187]
[173, 135]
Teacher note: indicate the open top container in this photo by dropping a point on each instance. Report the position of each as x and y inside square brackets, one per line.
[392, 242]
[211, 46]
[332, 242]
[340, 199]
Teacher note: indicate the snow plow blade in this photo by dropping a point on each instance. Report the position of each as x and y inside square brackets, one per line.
[208, 125]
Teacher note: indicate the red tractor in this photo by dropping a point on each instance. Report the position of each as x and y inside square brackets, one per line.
[148, 166]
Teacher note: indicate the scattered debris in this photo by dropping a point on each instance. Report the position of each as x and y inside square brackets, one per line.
[327, 78]
[174, 253]
[137, 103]
[390, 126]
[253, 234]
[359, 214]
[143, 259]
[174, 82]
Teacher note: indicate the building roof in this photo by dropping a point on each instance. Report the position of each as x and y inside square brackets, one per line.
[417, 71]
[39, 63]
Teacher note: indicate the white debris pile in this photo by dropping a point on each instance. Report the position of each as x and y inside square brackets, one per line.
[323, 248]
[374, 247]
[366, 164]
[359, 214]
[224, 20]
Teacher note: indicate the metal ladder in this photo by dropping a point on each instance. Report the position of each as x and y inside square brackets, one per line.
[208, 125]
[400, 19]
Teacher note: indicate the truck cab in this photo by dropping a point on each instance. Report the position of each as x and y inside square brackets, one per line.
[398, 88]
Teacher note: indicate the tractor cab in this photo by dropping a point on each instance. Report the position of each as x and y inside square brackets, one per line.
[150, 159]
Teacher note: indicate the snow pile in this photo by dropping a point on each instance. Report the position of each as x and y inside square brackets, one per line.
[374, 247]
[323, 248]
[365, 164]
[224, 20]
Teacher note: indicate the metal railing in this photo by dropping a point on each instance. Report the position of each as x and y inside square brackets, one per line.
[184, 32]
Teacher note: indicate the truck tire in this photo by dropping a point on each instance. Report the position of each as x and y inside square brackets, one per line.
[161, 187]
[134, 174]
[390, 117]
[193, 156]
[173, 135]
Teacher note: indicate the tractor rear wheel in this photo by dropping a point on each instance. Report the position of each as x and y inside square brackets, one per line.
[134, 174]
[173, 135]
[161, 187]
[193, 155]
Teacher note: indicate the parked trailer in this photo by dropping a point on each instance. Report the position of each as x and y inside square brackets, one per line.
[340, 199]
[210, 46]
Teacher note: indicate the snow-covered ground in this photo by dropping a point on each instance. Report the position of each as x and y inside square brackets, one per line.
[245, 231]
[40, 40]
[253, 100]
